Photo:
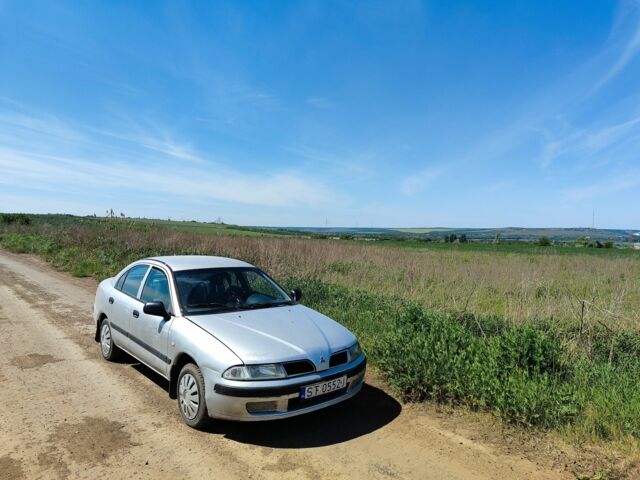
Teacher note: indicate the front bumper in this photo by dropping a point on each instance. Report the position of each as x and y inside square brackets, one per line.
[269, 400]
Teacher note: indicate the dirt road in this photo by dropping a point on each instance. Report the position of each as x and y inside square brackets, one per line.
[66, 413]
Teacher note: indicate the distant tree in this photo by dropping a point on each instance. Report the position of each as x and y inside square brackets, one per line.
[463, 238]
[122, 215]
[15, 218]
[608, 244]
[498, 239]
[544, 241]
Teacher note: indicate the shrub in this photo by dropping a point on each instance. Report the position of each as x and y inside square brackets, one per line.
[544, 241]
[15, 218]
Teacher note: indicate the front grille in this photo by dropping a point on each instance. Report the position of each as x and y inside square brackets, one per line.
[299, 367]
[339, 358]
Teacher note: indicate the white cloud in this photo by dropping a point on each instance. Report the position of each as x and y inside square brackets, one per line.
[607, 186]
[141, 162]
[350, 166]
[589, 141]
[414, 184]
[68, 175]
[319, 102]
[630, 9]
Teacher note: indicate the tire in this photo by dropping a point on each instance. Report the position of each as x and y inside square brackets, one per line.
[108, 348]
[191, 398]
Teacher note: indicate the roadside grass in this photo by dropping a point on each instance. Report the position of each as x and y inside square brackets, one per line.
[527, 374]
[577, 375]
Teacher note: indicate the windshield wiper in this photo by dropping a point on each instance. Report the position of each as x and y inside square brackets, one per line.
[266, 305]
[208, 304]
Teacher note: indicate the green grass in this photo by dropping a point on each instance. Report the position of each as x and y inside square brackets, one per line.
[518, 247]
[208, 228]
[541, 373]
[524, 374]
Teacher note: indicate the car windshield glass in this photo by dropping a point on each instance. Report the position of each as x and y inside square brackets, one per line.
[210, 290]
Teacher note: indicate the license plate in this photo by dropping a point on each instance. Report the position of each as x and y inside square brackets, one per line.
[323, 388]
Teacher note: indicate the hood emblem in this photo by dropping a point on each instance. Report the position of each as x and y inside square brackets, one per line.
[322, 360]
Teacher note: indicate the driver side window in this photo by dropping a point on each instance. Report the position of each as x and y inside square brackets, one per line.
[156, 289]
[259, 284]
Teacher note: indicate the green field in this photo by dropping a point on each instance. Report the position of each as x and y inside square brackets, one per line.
[540, 338]
[209, 228]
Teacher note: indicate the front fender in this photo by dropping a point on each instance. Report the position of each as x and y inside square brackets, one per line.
[187, 339]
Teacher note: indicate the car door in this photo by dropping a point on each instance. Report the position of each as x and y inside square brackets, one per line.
[152, 331]
[124, 302]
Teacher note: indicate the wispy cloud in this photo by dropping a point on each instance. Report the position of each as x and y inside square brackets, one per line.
[589, 141]
[24, 126]
[350, 166]
[611, 185]
[630, 9]
[15, 117]
[500, 185]
[68, 174]
[83, 163]
[321, 103]
[414, 184]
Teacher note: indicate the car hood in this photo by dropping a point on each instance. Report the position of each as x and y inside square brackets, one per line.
[278, 334]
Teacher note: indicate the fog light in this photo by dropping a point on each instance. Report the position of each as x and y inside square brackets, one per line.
[261, 407]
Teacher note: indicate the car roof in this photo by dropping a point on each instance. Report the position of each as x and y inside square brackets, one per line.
[193, 262]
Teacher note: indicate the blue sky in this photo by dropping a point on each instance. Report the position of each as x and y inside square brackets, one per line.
[463, 114]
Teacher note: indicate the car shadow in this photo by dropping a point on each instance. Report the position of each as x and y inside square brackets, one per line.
[367, 412]
[141, 368]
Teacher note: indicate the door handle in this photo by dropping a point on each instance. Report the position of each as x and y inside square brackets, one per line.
[136, 313]
[111, 300]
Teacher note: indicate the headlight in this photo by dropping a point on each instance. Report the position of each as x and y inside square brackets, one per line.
[255, 372]
[354, 351]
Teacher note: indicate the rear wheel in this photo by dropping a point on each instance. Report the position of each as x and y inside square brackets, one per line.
[107, 347]
[191, 404]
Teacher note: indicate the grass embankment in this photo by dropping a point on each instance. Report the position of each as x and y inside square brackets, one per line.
[544, 371]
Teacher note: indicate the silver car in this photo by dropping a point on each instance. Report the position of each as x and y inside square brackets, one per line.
[232, 343]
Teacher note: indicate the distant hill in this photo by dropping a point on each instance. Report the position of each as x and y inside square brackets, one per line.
[432, 233]
[508, 233]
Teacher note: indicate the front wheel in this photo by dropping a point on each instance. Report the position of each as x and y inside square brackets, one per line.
[191, 403]
[108, 349]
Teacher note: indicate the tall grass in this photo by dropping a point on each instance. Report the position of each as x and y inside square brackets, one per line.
[504, 333]
[518, 287]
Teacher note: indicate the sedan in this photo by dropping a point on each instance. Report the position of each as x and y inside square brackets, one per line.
[232, 343]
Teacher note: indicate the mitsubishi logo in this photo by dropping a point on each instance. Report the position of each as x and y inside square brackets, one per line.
[322, 360]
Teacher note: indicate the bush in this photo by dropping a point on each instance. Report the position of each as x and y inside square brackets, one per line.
[15, 218]
[524, 374]
[544, 241]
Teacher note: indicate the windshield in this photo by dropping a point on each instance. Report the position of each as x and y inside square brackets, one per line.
[218, 289]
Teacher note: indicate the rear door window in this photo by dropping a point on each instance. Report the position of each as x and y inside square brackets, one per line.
[133, 279]
[121, 280]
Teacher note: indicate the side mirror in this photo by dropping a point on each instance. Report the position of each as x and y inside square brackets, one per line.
[157, 309]
[296, 294]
